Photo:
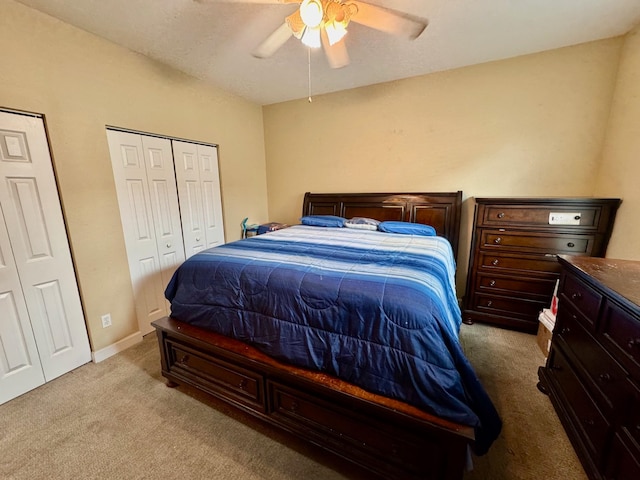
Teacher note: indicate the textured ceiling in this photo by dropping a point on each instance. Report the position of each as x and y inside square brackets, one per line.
[213, 41]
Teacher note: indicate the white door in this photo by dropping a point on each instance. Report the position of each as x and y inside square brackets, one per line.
[148, 201]
[199, 193]
[20, 369]
[211, 195]
[37, 234]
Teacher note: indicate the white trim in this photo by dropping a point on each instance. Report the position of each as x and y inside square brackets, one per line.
[119, 346]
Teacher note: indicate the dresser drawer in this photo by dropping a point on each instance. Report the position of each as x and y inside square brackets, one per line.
[525, 309]
[545, 265]
[622, 332]
[533, 242]
[581, 297]
[631, 420]
[607, 379]
[218, 377]
[583, 411]
[624, 459]
[538, 216]
[532, 287]
[567, 312]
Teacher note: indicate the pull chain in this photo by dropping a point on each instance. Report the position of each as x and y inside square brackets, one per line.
[309, 63]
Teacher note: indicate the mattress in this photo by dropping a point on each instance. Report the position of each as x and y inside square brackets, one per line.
[378, 310]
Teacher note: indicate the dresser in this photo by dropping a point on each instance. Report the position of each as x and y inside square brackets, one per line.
[513, 268]
[592, 374]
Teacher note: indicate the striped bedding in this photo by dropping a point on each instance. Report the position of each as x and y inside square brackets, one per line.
[376, 309]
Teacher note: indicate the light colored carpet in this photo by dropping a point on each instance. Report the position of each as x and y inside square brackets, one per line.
[118, 420]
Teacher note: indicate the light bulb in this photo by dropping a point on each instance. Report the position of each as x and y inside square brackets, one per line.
[311, 13]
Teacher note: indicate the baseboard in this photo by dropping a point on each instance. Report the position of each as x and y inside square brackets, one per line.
[119, 346]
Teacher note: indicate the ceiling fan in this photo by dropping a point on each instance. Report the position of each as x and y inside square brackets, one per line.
[324, 23]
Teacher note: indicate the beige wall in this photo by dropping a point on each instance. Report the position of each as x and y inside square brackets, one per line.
[82, 83]
[620, 169]
[528, 126]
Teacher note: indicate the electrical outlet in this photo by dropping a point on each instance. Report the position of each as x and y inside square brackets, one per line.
[106, 320]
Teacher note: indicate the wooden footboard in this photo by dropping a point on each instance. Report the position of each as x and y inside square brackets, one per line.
[384, 436]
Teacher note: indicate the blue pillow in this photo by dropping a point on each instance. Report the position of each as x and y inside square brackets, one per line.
[407, 228]
[323, 220]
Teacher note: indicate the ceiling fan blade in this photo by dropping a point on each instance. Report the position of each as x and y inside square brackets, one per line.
[336, 54]
[273, 42]
[389, 21]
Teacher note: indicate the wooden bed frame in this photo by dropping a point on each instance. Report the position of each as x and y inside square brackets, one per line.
[385, 437]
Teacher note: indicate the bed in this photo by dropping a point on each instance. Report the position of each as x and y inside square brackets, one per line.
[344, 337]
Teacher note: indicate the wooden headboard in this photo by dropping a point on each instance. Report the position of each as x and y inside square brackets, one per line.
[440, 210]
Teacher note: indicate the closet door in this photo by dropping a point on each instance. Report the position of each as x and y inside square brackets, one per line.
[164, 204]
[20, 369]
[37, 234]
[212, 198]
[148, 201]
[199, 193]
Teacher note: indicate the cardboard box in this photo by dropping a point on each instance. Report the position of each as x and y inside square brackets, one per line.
[544, 338]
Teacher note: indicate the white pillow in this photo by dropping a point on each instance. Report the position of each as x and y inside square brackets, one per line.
[361, 226]
[363, 223]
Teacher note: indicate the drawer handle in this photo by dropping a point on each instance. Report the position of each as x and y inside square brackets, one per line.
[589, 422]
[294, 406]
[168, 245]
[605, 377]
[498, 240]
[492, 283]
[184, 359]
[634, 343]
[489, 303]
[577, 217]
[565, 330]
[495, 262]
[242, 384]
[571, 244]
[500, 215]
[576, 296]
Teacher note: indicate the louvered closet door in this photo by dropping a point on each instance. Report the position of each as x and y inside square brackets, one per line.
[199, 193]
[38, 239]
[148, 201]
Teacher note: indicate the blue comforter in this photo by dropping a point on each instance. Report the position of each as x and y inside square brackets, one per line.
[378, 310]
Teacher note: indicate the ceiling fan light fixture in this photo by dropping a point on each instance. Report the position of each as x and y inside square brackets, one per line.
[335, 31]
[337, 18]
[311, 37]
[312, 13]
